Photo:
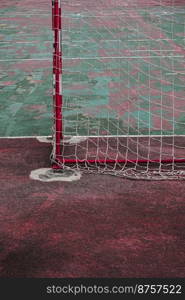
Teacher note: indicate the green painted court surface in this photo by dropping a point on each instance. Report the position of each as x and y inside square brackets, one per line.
[26, 70]
[123, 68]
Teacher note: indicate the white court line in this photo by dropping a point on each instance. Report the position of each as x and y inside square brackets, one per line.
[92, 58]
[26, 59]
[23, 42]
[121, 57]
[91, 136]
[24, 137]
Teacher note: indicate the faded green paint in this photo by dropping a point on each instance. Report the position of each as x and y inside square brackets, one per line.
[99, 96]
[25, 81]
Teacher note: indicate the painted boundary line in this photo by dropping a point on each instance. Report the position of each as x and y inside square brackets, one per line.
[92, 136]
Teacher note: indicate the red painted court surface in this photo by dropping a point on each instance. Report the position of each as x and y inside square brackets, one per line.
[98, 225]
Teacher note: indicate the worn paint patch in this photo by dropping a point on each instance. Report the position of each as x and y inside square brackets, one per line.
[75, 139]
[44, 139]
[48, 175]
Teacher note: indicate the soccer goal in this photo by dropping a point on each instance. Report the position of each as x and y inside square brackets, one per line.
[119, 92]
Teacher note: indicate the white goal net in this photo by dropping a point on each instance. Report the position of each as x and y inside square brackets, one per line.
[119, 93]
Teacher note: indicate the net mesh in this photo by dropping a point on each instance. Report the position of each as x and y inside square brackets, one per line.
[119, 101]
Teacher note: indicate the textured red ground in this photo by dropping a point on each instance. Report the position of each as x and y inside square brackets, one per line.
[100, 226]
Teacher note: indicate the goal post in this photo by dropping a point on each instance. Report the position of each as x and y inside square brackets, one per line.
[118, 69]
[57, 77]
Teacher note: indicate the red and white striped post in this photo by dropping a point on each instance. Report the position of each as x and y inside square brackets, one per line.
[57, 76]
